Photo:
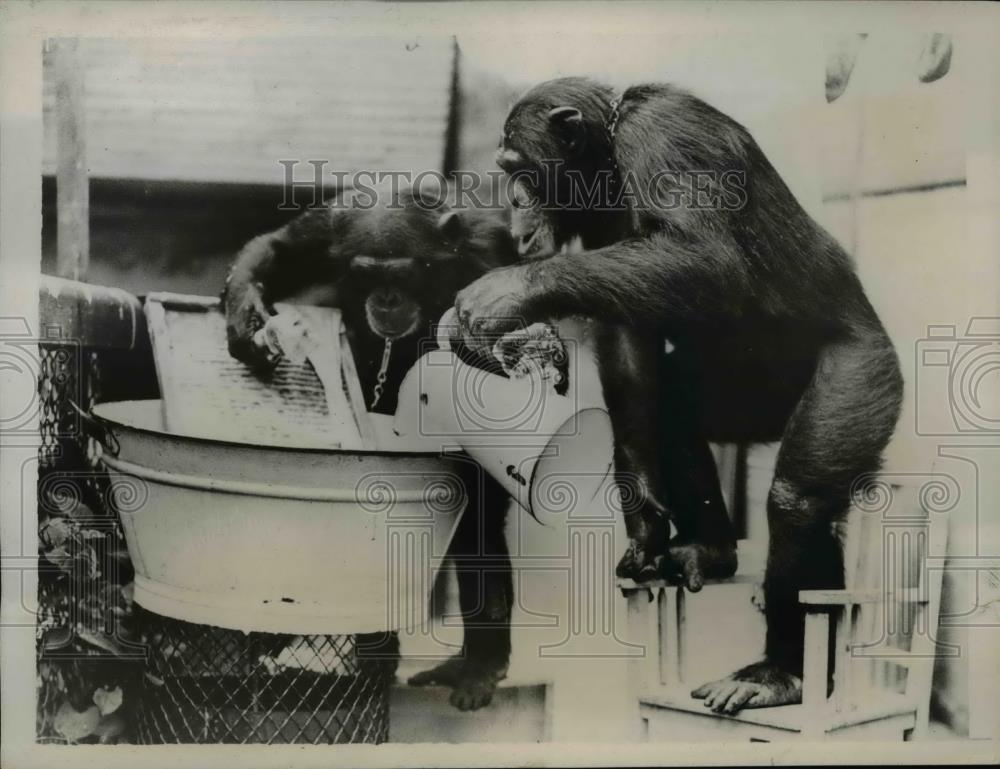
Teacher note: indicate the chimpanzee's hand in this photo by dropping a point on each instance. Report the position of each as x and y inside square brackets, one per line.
[491, 306]
[246, 313]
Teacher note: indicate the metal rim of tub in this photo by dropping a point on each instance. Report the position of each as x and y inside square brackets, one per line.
[105, 422]
[252, 488]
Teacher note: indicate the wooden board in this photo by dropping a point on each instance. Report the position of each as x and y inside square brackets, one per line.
[355, 395]
[208, 394]
[213, 109]
[72, 182]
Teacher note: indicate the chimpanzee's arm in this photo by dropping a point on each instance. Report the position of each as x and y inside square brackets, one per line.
[650, 282]
[271, 266]
[646, 281]
[287, 258]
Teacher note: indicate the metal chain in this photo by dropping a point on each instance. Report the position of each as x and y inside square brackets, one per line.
[383, 373]
[611, 124]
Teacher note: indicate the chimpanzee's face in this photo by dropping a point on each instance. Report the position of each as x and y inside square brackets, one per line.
[536, 232]
[404, 269]
[533, 230]
[557, 148]
[391, 308]
[539, 226]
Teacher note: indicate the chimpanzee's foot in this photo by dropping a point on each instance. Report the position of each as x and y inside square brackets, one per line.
[472, 681]
[692, 563]
[760, 685]
[640, 563]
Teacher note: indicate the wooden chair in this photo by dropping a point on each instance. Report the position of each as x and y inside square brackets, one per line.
[883, 625]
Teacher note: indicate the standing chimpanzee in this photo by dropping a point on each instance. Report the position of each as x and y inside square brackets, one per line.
[694, 238]
[393, 265]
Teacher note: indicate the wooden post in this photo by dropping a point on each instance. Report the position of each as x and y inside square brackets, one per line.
[815, 666]
[672, 607]
[644, 630]
[923, 647]
[844, 669]
[72, 191]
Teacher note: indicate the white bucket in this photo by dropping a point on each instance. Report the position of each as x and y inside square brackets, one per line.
[552, 453]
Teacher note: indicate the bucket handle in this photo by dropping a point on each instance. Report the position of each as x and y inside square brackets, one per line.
[97, 431]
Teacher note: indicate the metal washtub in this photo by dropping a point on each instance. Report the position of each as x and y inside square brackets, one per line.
[275, 539]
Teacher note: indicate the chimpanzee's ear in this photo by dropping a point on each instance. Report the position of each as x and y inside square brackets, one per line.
[451, 225]
[567, 122]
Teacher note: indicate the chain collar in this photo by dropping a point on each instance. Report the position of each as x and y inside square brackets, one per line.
[383, 373]
[611, 124]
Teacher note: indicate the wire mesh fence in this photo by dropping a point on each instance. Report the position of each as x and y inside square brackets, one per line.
[87, 670]
[206, 684]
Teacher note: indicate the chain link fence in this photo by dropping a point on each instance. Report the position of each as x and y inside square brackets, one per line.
[88, 671]
[211, 685]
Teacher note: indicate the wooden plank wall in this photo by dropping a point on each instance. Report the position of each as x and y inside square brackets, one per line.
[228, 110]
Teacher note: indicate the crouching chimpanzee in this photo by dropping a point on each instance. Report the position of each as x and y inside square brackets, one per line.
[393, 269]
[691, 236]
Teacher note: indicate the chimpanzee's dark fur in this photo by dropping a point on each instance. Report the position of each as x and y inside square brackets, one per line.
[772, 337]
[434, 256]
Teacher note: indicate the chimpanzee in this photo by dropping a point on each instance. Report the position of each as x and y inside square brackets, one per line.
[738, 319]
[394, 268]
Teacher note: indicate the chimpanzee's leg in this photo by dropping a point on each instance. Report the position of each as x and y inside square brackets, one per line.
[628, 362]
[663, 466]
[836, 434]
[485, 590]
[705, 544]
